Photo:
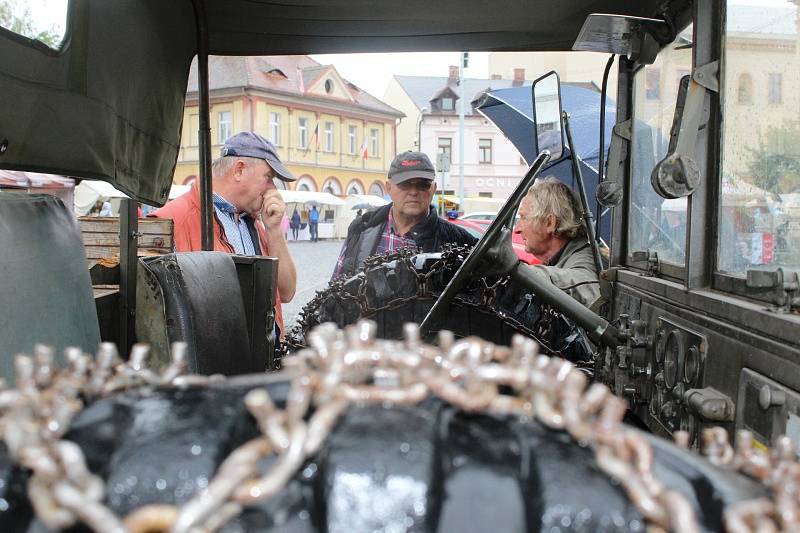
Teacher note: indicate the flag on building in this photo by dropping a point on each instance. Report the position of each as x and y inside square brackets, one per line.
[364, 149]
[315, 137]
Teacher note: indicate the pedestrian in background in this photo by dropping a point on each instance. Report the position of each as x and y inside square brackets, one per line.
[295, 224]
[313, 224]
[285, 226]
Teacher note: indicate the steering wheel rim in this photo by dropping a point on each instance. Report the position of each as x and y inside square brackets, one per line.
[504, 219]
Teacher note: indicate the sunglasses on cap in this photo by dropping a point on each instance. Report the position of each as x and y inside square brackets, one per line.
[422, 185]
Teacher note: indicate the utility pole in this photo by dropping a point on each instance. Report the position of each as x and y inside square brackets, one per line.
[461, 66]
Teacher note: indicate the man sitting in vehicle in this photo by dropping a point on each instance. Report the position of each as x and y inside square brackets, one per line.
[248, 209]
[408, 221]
[550, 223]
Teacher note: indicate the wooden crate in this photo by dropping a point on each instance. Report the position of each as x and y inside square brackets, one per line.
[101, 238]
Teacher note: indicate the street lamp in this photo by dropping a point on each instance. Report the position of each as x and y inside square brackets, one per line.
[419, 128]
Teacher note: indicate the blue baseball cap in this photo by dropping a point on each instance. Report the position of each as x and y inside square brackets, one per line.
[249, 144]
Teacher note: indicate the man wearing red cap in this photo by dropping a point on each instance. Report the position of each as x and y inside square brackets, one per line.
[409, 221]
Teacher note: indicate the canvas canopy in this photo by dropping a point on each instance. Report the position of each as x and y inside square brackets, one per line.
[109, 104]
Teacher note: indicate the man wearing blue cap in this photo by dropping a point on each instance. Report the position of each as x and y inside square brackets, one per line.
[248, 208]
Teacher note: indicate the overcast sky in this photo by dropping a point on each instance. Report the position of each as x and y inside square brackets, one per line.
[372, 72]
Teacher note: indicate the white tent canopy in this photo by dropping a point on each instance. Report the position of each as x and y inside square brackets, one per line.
[371, 199]
[302, 197]
[89, 191]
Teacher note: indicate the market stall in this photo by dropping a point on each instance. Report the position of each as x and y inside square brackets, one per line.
[34, 182]
[89, 192]
[328, 205]
[353, 204]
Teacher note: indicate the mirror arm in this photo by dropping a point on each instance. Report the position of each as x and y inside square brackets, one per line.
[678, 174]
[620, 134]
[588, 218]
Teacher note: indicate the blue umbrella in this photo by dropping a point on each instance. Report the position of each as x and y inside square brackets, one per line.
[511, 110]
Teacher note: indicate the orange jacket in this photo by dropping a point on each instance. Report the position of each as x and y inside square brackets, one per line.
[185, 214]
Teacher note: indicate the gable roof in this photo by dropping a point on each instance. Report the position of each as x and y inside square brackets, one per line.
[253, 72]
[423, 89]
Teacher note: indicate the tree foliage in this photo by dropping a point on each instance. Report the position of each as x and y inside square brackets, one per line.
[18, 18]
[775, 164]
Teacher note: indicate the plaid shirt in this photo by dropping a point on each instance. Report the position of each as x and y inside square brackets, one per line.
[234, 227]
[390, 241]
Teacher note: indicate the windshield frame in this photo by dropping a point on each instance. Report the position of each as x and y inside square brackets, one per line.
[666, 269]
[725, 281]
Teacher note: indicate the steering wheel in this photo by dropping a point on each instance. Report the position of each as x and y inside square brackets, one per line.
[505, 218]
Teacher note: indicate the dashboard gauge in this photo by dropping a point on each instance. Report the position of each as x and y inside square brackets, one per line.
[673, 358]
[691, 366]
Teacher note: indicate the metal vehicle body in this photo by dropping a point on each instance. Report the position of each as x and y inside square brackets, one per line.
[704, 343]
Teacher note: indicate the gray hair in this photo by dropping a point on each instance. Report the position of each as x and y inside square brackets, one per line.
[223, 165]
[549, 196]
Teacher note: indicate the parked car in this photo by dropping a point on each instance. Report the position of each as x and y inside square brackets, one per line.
[479, 215]
[478, 227]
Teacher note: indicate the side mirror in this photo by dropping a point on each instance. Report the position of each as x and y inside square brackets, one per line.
[546, 94]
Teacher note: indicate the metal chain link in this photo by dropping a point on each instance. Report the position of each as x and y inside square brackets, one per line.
[352, 366]
[339, 368]
[451, 257]
[36, 415]
[778, 469]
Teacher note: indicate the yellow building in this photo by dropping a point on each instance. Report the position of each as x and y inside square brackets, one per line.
[332, 135]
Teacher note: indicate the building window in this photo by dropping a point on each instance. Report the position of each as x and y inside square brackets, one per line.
[652, 83]
[744, 90]
[302, 133]
[275, 128]
[446, 147]
[194, 129]
[774, 88]
[448, 104]
[224, 130]
[329, 136]
[351, 140]
[484, 150]
[328, 86]
[374, 143]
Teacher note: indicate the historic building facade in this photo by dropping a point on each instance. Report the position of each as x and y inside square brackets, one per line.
[333, 136]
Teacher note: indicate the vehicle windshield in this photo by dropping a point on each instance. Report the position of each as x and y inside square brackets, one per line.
[759, 217]
[657, 224]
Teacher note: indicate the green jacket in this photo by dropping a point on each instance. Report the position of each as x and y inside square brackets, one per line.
[575, 273]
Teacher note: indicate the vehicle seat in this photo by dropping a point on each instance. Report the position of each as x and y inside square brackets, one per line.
[45, 291]
[195, 297]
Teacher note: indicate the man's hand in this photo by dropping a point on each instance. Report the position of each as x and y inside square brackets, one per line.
[500, 257]
[272, 210]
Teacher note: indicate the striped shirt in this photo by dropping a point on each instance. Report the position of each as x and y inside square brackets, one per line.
[234, 225]
[390, 241]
